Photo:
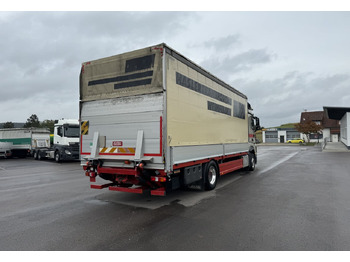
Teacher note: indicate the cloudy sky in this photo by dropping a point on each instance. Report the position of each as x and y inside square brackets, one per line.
[285, 62]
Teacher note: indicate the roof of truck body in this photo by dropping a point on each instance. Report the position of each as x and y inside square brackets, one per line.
[170, 51]
[199, 69]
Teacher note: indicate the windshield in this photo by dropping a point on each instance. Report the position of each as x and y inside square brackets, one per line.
[71, 131]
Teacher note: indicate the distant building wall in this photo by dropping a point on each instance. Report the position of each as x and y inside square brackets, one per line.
[279, 135]
[327, 134]
[345, 129]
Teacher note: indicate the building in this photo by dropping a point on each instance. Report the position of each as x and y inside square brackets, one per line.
[342, 115]
[330, 131]
[315, 116]
[331, 127]
[279, 135]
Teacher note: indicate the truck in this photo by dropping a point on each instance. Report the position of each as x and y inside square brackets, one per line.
[5, 149]
[25, 140]
[153, 121]
[65, 144]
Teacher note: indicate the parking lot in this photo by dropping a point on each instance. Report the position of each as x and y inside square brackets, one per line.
[298, 198]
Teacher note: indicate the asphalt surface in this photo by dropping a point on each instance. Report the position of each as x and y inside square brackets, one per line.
[298, 198]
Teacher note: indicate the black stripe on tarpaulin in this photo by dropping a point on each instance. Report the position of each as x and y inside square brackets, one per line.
[133, 83]
[200, 70]
[139, 63]
[120, 78]
[219, 108]
[202, 89]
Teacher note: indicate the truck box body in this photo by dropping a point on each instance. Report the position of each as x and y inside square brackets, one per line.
[25, 140]
[156, 107]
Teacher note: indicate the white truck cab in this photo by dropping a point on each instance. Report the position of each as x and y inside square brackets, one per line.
[65, 141]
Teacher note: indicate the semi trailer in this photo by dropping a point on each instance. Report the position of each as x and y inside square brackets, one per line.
[25, 140]
[65, 144]
[153, 121]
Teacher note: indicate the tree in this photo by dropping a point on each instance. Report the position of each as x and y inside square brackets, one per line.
[48, 124]
[9, 125]
[308, 127]
[32, 121]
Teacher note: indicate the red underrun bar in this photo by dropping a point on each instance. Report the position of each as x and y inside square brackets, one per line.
[158, 192]
[231, 166]
[101, 186]
[115, 170]
[137, 190]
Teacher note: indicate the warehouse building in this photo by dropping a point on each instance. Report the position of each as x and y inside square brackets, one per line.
[279, 135]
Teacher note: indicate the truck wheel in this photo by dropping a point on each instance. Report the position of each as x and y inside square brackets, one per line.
[210, 175]
[35, 155]
[57, 157]
[252, 161]
[39, 156]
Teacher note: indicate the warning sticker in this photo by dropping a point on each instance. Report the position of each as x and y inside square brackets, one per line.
[84, 127]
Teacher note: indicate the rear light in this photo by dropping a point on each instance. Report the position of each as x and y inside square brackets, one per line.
[158, 179]
[127, 162]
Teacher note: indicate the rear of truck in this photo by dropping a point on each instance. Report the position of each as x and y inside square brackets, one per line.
[40, 138]
[25, 140]
[121, 114]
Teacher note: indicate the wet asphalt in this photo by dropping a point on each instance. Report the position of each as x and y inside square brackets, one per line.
[298, 198]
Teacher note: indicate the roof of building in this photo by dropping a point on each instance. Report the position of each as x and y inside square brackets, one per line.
[326, 122]
[313, 116]
[321, 117]
[336, 112]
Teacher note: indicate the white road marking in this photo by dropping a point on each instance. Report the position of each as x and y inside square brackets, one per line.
[273, 165]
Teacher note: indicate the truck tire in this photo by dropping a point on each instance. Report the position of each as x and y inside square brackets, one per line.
[39, 156]
[210, 175]
[252, 161]
[35, 155]
[57, 157]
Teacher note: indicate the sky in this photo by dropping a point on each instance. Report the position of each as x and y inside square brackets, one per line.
[285, 62]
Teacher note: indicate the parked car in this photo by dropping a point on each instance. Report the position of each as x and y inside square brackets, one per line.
[295, 141]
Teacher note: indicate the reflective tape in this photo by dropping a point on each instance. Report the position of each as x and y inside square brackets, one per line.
[123, 150]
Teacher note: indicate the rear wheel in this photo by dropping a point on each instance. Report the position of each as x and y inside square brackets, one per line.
[211, 175]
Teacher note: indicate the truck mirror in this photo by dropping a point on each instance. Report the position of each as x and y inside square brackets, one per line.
[257, 124]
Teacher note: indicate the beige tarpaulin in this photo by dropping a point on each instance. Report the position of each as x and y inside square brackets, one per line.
[133, 73]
